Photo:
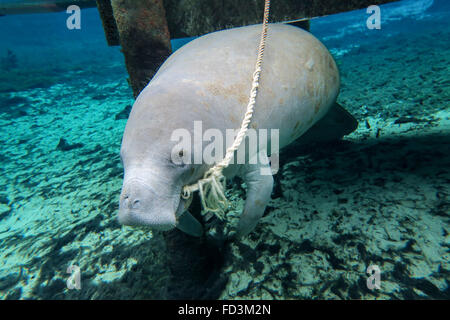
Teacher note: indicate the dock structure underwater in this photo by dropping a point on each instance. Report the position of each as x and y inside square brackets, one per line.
[144, 28]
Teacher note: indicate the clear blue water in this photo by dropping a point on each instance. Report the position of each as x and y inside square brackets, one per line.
[58, 206]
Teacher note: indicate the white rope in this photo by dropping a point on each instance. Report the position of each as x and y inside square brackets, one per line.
[212, 187]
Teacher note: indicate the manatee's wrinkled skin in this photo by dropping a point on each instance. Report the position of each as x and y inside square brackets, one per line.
[209, 80]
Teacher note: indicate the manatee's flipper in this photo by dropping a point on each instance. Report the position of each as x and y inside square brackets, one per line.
[259, 180]
[188, 224]
[337, 123]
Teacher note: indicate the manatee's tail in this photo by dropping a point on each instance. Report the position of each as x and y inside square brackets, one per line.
[337, 123]
[303, 24]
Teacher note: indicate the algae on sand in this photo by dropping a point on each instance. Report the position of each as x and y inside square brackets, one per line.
[15, 80]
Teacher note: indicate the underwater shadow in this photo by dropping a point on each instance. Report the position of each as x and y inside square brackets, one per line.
[344, 161]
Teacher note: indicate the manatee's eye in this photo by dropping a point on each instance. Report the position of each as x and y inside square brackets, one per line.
[178, 157]
[181, 155]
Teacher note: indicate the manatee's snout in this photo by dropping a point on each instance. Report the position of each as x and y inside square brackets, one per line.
[138, 207]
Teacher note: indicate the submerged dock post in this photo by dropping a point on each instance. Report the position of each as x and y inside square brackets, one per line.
[108, 21]
[144, 37]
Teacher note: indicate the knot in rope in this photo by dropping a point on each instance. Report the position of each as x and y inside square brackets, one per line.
[212, 186]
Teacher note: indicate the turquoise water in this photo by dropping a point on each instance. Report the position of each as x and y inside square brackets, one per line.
[379, 197]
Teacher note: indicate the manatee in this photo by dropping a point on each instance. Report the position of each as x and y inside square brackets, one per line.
[209, 80]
